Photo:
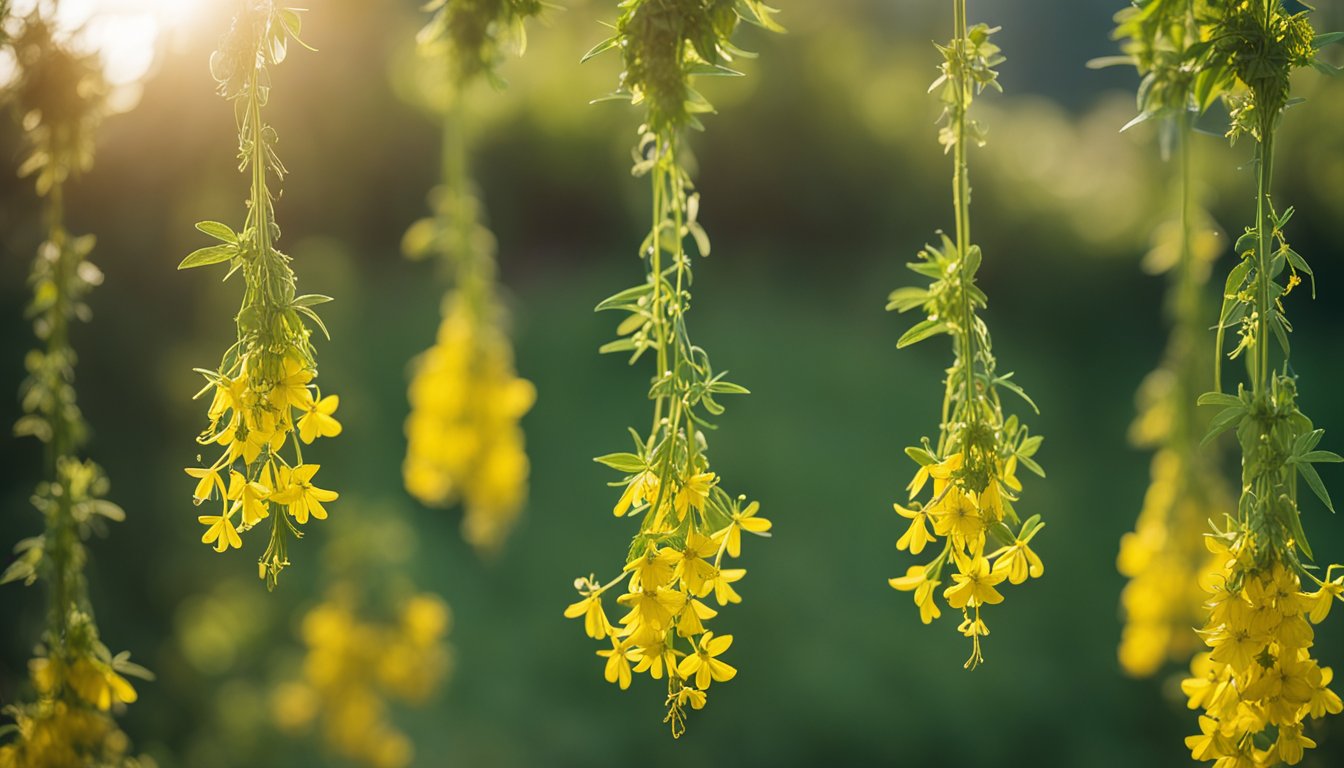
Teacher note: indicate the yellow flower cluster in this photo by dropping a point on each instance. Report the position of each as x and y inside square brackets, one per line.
[677, 563]
[963, 517]
[353, 669]
[93, 680]
[266, 377]
[1166, 562]
[1259, 683]
[257, 408]
[463, 437]
[56, 734]
[78, 688]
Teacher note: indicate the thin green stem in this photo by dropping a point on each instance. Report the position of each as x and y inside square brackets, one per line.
[962, 203]
[1264, 243]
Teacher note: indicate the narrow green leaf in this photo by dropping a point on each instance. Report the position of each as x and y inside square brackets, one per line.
[1308, 473]
[623, 462]
[213, 254]
[215, 229]
[922, 330]
[601, 47]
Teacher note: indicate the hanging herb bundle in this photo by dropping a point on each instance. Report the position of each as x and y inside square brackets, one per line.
[1259, 682]
[60, 96]
[974, 464]
[1165, 558]
[464, 442]
[262, 394]
[687, 522]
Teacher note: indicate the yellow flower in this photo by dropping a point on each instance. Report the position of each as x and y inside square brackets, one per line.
[300, 495]
[220, 532]
[208, 481]
[643, 489]
[247, 497]
[693, 617]
[916, 579]
[694, 492]
[689, 695]
[318, 420]
[723, 585]
[917, 535]
[957, 518]
[261, 435]
[654, 658]
[704, 663]
[973, 584]
[1322, 599]
[654, 568]
[618, 662]
[1291, 743]
[292, 389]
[594, 617]
[1018, 561]
[1211, 744]
[98, 684]
[652, 609]
[745, 520]
[1236, 647]
[694, 567]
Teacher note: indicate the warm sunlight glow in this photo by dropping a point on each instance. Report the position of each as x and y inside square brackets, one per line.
[127, 34]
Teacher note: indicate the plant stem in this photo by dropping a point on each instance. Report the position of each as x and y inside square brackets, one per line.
[1264, 225]
[962, 203]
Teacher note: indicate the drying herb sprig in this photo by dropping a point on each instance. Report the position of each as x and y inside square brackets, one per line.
[264, 405]
[60, 97]
[973, 464]
[464, 441]
[687, 523]
[1259, 683]
[1164, 557]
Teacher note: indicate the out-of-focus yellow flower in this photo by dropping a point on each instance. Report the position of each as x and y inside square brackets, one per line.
[463, 438]
[354, 667]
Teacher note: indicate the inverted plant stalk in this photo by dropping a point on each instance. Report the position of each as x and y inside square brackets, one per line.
[689, 527]
[977, 535]
[264, 404]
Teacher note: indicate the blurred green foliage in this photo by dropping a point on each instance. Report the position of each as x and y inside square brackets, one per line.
[819, 184]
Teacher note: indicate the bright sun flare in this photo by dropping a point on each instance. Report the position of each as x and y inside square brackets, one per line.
[125, 33]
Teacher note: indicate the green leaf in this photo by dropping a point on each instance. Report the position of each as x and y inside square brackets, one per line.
[1321, 457]
[922, 330]
[601, 47]
[922, 457]
[627, 299]
[322, 326]
[623, 462]
[1220, 398]
[1030, 446]
[1031, 465]
[1308, 473]
[310, 300]
[1015, 389]
[213, 254]
[728, 388]
[619, 345]
[218, 231]
[1222, 422]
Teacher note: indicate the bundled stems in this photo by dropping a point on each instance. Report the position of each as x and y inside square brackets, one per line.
[464, 440]
[264, 404]
[688, 525]
[1164, 557]
[1260, 683]
[59, 95]
[974, 463]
